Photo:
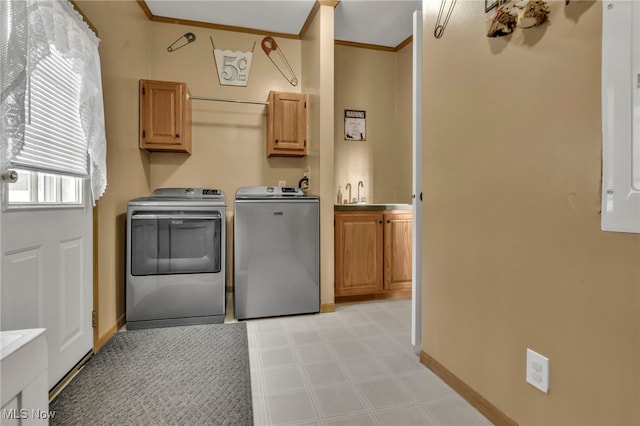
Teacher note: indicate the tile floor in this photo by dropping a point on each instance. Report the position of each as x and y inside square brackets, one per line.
[355, 366]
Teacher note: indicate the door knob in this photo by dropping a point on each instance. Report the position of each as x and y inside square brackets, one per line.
[10, 176]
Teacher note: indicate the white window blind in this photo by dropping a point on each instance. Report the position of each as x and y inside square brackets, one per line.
[54, 140]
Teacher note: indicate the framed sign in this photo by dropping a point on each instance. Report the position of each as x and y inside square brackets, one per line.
[233, 67]
[355, 125]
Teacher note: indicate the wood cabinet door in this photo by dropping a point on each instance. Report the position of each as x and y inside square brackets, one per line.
[397, 250]
[164, 116]
[287, 124]
[358, 253]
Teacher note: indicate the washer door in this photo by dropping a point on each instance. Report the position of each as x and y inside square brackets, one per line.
[180, 243]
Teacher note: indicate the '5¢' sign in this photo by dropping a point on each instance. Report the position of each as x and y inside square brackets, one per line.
[233, 67]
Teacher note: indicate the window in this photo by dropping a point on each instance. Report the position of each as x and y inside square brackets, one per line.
[621, 116]
[45, 190]
[51, 112]
[55, 149]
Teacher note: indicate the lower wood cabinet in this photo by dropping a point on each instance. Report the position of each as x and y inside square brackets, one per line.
[372, 254]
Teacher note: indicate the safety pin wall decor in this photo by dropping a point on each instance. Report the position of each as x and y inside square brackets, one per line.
[270, 46]
[184, 40]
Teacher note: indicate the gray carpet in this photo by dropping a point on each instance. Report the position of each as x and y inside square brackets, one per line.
[195, 375]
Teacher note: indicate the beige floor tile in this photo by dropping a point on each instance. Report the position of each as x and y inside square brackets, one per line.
[401, 362]
[353, 318]
[366, 330]
[290, 407]
[381, 315]
[364, 367]
[394, 326]
[325, 373]
[360, 420]
[332, 334]
[383, 392]
[425, 386]
[301, 337]
[314, 352]
[347, 348]
[272, 339]
[276, 356]
[456, 412]
[383, 345]
[406, 416]
[282, 379]
[339, 399]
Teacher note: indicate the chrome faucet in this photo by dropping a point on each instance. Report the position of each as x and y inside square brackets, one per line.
[360, 184]
[345, 188]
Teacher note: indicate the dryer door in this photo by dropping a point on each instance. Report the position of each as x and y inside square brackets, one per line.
[176, 243]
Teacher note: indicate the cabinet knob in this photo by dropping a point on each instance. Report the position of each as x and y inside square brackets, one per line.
[177, 135]
[380, 222]
[276, 140]
[388, 221]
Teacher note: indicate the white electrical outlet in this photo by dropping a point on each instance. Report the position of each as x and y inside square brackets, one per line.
[538, 370]
[282, 183]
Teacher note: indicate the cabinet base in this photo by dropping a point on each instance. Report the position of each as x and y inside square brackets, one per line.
[392, 294]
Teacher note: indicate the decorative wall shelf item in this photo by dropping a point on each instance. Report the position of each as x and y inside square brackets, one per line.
[279, 60]
[534, 13]
[504, 21]
[524, 14]
[233, 66]
[182, 41]
[355, 125]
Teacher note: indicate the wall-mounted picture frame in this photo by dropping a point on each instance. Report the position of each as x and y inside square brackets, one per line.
[355, 125]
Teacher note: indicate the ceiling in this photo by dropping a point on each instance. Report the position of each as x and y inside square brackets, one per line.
[379, 22]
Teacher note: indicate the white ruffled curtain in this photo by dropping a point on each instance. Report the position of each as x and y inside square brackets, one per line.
[27, 30]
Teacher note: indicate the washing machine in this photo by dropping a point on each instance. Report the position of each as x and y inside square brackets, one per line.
[276, 252]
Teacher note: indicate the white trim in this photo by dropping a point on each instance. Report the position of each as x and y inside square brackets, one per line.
[416, 293]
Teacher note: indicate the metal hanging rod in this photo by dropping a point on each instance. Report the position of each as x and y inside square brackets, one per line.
[237, 101]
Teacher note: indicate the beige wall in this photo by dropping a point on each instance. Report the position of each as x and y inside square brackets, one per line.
[514, 257]
[228, 140]
[123, 31]
[378, 82]
[318, 81]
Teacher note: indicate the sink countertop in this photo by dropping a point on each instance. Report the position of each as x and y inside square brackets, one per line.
[14, 340]
[343, 207]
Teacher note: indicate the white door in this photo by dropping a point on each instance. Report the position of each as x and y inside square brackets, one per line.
[47, 279]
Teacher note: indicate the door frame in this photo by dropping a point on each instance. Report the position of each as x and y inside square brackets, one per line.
[416, 296]
[96, 300]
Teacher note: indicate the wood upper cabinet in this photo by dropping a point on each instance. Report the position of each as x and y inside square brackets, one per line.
[397, 250]
[287, 124]
[358, 253]
[373, 251]
[165, 116]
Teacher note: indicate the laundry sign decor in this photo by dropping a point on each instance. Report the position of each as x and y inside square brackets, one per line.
[233, 66]
[355, 125]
